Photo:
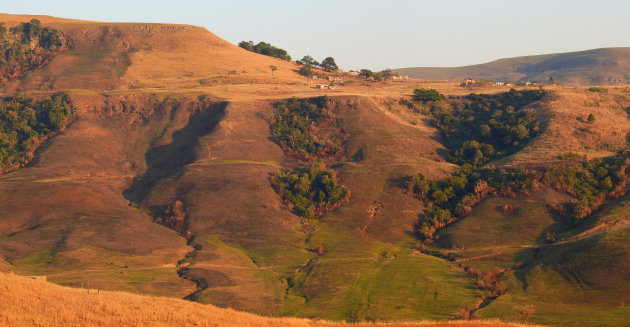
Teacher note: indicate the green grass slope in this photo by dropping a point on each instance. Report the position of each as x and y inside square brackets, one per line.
[579, 280]
[253, 254]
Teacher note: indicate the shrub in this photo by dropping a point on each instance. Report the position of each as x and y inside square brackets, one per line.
[312, 190]
[26, 46]
[306, 70]
[480, 128]
[293, 127]
[591, 118]
[427, 95]
[24, 121]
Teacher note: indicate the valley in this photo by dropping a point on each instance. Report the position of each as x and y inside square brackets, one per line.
[163, 185]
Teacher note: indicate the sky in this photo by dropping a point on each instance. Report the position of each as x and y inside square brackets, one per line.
[378, 34]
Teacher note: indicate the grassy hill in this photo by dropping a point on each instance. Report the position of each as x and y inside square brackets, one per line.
[162, 186]
[591, 67]
[27, 302]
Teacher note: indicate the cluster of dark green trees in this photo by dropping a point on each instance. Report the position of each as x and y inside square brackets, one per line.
[377, 76]
[307, 63]
[265, 48]
[478, 128]
[294, 119]
[452, 198]
[26, 46]
[311, 189]
[24, 121]
[589, 182]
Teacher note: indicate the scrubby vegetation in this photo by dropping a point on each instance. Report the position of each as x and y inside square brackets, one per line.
[590, 183]
[266, 49]
[293, 126]
[24, 123]
[427, 95]
[26, 46]
[454, 197]
[479, 128]
[311, 190]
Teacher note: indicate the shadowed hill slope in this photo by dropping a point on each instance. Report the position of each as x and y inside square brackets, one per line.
[591, 67]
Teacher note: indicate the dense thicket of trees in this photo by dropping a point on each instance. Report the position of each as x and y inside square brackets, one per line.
[454, 197]
[26, 46]
[266, 49]
[479, 128]
[589, 183]
[312, 190]
[24, 122]
[293, 124]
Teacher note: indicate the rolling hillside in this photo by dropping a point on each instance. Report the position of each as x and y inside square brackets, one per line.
[162, 185]
[607, 66]
[27, 302]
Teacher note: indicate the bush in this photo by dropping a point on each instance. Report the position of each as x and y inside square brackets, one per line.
[312, 190]
[24, 121]
[294, 121]
[306, 70]
[26, 46]
[591, 118]
[451, 198]
[480, 128]
[427, 95]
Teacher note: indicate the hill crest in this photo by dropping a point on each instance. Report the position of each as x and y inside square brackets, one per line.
[591, 67]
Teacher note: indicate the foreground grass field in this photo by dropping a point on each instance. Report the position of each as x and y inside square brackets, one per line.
[28, 302]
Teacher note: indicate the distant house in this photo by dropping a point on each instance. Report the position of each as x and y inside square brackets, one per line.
[321, 86]
[469, 81]
[353, 73]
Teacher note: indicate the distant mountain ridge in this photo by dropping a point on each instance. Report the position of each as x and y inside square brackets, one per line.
[605, 66]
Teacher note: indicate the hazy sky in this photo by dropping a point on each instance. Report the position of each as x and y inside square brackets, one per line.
[378, 34]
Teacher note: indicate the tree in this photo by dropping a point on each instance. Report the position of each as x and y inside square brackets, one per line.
[329, 64]
[551, 80]
[273, 68]
[249, 46]
[367, 73]
[427, 95]
[387, 73]
[266, 49]
[308, 60]
[306, 70]
[591, 118]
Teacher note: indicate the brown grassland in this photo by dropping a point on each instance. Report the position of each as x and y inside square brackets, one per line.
[173, 113]
[28, 302]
